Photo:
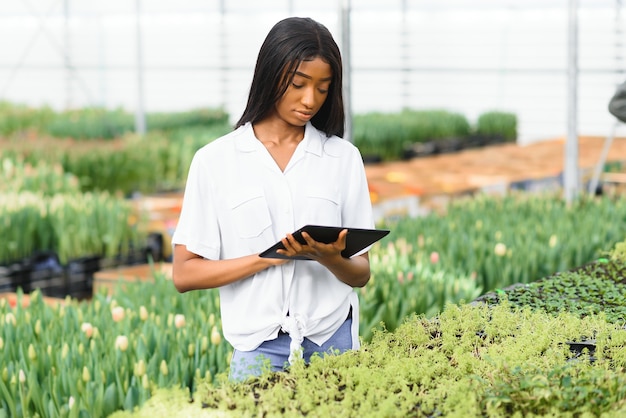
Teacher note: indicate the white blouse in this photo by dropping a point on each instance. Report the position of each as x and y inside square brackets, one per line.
[238, 202]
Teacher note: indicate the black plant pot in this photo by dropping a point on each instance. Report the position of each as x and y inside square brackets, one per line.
[372, 159]
[420, 149]
[154, 246]
[47, 274]
[474, 141]
[449, 145]
[79, 276]
[14, 275]
[579, 348]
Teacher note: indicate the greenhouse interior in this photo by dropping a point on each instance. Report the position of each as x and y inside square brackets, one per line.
[488, 138]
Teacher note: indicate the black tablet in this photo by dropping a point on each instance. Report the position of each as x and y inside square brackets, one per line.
[356, 240]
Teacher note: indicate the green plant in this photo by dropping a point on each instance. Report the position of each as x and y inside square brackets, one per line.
[18, 118]
[470, 361]
[388, 134]
[497, 124]
[93, 358]
[17, 176]
[72, 225]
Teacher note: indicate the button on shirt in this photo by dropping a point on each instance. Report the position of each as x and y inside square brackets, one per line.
[238, 202]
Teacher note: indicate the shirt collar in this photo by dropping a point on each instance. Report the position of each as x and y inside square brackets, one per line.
[245, 140]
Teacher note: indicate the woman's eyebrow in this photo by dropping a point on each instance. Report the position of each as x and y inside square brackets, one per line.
[310, 78]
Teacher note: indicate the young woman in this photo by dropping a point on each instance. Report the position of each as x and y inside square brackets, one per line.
[283, 167]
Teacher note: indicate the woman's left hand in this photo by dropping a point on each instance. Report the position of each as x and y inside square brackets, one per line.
[314, 249]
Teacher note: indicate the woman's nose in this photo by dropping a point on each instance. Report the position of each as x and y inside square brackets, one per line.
[308, 97]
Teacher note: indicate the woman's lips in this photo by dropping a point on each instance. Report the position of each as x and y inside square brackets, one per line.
[304, 115]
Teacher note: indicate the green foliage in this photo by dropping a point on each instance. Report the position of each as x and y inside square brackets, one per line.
[107, 354]
[472, 361]
[47, 179]
[98, 122]
[15, 118]
[91, 123]
[599, 287]
[146, 164]
[518, 238]
[404, 282]
[201, 118]
[388, 134]
[618, 253]
[497, 124]
[72, 225]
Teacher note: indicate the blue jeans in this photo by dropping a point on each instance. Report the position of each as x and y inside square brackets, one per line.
[273, 354]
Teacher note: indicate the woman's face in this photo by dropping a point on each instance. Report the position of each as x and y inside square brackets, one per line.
[306, 93]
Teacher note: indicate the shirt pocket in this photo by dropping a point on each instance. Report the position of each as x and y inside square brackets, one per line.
[323, 206]
[250, 213]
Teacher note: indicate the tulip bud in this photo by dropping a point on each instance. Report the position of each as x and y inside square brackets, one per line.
[191, 349]
[49, 350]
[65, 350]
[86, 374]
[179, 320]
[22, 376]
[5, 374]
[81, 349]
[216, 337]
[70, 403]
[553, 241]
[32, 354]
[205, 344]
[145, 382]
[164, 369]
[434, 257]
[1, 343]
[117, 313]
[10, 318]
[143, 313]
[212, 319]
[87, 328]
[38, 327]
[500, 249]
[121, 342]
[140, 368]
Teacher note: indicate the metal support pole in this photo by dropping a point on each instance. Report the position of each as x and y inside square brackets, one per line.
[406, 71]
[66, 54]
[347, 67]
[570, 175]
[140, 116]
[223, 55]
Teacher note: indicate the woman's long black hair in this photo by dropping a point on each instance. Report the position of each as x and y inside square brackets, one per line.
[288, 43]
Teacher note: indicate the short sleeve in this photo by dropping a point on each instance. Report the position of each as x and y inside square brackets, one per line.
[357, 206]
[198, 227]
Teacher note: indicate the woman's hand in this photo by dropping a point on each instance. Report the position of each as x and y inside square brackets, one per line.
[354, 271]
[313, 249]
